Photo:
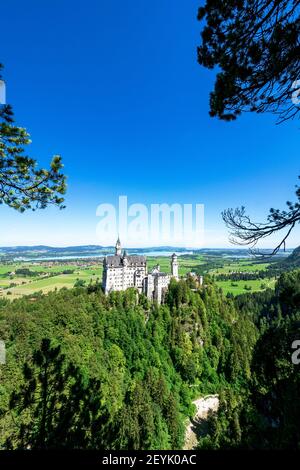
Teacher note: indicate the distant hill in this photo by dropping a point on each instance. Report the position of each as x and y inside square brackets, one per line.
[81, 251]
[88, 251]
[293, 260]
[45, 248]
[42, 251]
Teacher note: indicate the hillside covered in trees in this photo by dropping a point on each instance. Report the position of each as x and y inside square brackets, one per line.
[292, 261]
[85, 370]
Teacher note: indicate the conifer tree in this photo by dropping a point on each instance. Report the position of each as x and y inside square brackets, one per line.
[22, 184]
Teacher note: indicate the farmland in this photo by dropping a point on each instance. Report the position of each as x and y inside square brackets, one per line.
[242, 287]
[44, 277]
[242, 265]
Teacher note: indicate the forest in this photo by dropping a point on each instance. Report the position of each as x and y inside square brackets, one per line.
[85, 370]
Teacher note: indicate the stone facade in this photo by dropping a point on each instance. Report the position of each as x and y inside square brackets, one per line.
[197, 278]
[156, 284]
[121, 271]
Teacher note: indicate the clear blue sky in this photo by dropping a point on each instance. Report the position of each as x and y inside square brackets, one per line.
[115, 88]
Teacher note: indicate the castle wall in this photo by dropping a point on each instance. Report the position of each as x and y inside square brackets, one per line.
[121, 278]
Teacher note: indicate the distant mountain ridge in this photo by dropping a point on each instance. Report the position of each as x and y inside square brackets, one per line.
[24, 252]
[111, 247]
[293, 260]
[51, 248]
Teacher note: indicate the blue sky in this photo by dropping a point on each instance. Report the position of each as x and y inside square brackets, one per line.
[115, 88]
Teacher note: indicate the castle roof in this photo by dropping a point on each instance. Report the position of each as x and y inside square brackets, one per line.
[132, 260]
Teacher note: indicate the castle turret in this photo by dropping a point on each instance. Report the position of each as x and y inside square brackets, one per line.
[174, 266]
[118, 249]
[125, 259]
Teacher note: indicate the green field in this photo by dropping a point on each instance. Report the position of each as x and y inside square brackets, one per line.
[49, 278]
[238, 287]
[240, 266]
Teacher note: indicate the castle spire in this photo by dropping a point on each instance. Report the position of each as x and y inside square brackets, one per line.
[118, 248]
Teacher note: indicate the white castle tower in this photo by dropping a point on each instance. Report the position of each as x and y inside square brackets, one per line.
[174, 266]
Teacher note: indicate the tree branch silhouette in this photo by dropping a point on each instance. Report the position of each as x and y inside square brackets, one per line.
[243, 231]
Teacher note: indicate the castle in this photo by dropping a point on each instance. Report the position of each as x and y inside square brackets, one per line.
[121, 271]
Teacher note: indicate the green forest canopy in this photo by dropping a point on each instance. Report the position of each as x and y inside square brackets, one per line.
[127, 370]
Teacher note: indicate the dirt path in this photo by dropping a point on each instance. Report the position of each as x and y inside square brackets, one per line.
[197, 426]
